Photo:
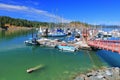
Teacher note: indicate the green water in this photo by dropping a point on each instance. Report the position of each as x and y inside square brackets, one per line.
[16, 58]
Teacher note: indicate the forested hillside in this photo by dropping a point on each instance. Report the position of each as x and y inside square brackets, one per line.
[20, 22]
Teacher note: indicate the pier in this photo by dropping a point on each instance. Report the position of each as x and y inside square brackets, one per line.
[112, 45]
[53, 43]
[86, 41]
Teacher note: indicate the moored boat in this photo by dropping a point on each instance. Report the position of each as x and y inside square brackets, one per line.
[31, 41]
[52, 33]
[66, 47]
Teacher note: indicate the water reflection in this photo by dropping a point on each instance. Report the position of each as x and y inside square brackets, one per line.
[95, 60]
[10, 34]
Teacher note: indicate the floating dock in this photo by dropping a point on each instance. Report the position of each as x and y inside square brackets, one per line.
[53, 43]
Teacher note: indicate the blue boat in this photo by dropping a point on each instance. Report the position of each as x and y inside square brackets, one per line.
[53, 33]
[66, 48]
[57, 34]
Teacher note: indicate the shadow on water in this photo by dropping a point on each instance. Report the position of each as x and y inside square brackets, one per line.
[111, 58]
[95, 60]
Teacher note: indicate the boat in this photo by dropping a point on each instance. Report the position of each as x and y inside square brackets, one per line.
[34, 68]
[54, 33]
[57, 34]
[31, 41]
[66, 47]
[104, 35]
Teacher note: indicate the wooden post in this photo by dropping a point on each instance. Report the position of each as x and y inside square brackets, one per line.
[113, 45]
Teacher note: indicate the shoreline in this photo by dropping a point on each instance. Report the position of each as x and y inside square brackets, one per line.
[13, 29]
[16, 28]
[106, 73]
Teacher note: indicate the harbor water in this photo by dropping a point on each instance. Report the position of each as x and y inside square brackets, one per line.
[16, 58]
[111, 58]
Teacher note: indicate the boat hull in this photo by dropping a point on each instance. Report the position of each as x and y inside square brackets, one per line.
[66, 48]
[31, 41]
[54, 35]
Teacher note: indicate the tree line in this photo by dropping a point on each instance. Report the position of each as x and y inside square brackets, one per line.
[26, 23]
[20, 22]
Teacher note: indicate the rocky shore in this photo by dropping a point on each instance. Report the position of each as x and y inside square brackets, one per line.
[112, 73]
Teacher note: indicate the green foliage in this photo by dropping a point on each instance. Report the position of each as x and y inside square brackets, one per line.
[20, 22]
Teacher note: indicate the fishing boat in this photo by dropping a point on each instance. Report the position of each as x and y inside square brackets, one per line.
[57, 34]
[31, 41]
[52, 33]
[66, 48]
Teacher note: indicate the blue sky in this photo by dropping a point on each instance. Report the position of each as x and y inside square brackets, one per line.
[90, 11]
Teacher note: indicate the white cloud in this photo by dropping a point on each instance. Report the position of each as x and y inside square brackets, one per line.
[31, 11]
[10, 7]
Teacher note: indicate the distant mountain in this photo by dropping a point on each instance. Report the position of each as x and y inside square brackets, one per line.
[79, 24]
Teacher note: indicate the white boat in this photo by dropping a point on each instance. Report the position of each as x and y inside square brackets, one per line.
[66, 48]
[56, 34]
[50, 33]
[31, 41]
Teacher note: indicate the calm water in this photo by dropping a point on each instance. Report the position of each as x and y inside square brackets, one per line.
[112, 58]
[16, 57]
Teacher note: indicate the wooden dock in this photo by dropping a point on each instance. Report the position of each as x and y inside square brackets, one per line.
[112, 45]
[53, 43]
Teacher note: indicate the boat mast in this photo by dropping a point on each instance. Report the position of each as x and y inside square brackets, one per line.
[32, 31]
